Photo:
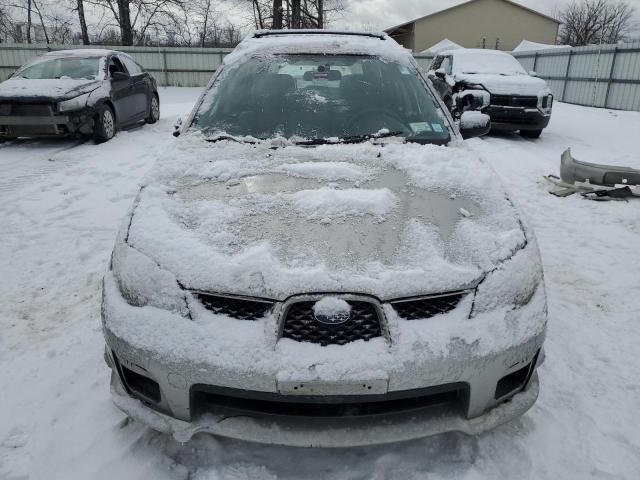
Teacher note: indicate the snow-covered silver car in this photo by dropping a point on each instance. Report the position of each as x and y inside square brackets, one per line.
[320, 260]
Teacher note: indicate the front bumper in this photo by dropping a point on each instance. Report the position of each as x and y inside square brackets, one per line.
[162, 360]
[327, 432]
[504, 118]
[51, 125]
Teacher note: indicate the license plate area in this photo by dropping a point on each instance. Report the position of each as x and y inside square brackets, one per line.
[365, 387]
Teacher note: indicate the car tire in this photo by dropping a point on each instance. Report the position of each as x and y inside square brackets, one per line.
[531, 133]
[105, 128]
[154, 110]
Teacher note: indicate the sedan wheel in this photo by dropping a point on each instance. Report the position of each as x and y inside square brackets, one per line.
[154, 110]
[105, 127]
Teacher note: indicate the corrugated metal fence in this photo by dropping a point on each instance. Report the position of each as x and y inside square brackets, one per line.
[600, 76]
[176, 66]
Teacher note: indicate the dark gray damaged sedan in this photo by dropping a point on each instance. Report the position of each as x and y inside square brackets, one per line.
[77, 92]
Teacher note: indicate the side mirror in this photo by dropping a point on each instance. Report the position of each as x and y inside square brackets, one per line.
[177, 127]
[474, 124]
[472, 100]
[119, 76]
[440, 73]
[532, 73]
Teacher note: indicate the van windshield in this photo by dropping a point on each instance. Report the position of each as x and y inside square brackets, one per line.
[321, 98]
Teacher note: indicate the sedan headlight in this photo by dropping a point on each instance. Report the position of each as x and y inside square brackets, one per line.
[143, 282]
[75, 103]
[512, 283]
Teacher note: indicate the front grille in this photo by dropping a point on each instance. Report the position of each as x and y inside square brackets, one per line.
[31, 109]
[240, 308]
[515, 119]
[514, 101]
[301, 325]
[210, 399]
[427, 307]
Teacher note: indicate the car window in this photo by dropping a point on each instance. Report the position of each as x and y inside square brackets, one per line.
[132, 67]
[321, 97]
[436, 63]
[63, 67]
[116, 66]
[446, 65]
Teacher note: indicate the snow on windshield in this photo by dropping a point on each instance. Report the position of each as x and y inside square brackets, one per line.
[63, 68]
[486, 63]
[312, 96]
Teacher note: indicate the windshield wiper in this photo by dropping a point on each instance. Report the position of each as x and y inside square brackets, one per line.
[218, 138]
[350, 138]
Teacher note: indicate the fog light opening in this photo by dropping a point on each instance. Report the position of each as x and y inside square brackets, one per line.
[140, 385]
[512, 382]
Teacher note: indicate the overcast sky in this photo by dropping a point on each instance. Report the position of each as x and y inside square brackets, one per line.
[382, 14]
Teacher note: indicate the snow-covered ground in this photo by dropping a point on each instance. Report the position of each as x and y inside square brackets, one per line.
[61, 204]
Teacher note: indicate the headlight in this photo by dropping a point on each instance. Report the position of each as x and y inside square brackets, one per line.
[545, 98]
[143, 282]
[512, 283]
[75, 103]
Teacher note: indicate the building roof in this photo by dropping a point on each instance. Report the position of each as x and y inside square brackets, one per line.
[466, 2]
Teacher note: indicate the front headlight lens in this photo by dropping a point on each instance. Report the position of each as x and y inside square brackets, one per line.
[143, 282]
[512, 283]
[75, 103]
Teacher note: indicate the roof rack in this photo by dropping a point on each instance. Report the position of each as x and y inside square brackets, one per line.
[269, 33]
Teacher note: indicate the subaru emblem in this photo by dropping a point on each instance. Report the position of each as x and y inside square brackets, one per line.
[332, 311]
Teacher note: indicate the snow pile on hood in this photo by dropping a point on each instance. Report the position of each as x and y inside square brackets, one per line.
[49, 88]
[327, 203]
[227, 217]
[498, 72]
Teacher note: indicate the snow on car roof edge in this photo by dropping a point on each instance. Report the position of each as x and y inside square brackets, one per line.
[326, 42]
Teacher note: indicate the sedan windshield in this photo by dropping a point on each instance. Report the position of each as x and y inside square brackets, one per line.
[321, 98]
[74, 68]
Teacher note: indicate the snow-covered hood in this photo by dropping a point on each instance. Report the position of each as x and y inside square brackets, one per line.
[46, 89]
[390, 221]
[504, 84]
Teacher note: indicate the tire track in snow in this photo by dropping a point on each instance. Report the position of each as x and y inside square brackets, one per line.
[38, 167]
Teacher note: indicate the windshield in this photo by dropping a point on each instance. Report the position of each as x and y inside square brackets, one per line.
[321, 98]
[73, 68]
[493, 63]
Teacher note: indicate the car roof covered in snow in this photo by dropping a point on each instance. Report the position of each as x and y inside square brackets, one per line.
[84, 52]
[332, 42]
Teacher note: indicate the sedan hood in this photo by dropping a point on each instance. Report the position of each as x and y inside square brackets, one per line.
[27, 90]
[504, 84]
[391, 221]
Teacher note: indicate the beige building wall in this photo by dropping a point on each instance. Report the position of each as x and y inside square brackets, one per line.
[492, 19]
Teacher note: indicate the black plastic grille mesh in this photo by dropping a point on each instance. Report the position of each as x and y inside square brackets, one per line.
[234, 307]
[426, 307]
[301, 325]
[514, 101]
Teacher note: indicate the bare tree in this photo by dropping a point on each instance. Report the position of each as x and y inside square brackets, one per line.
[83, 22]
[277, 14]
[586, 22]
